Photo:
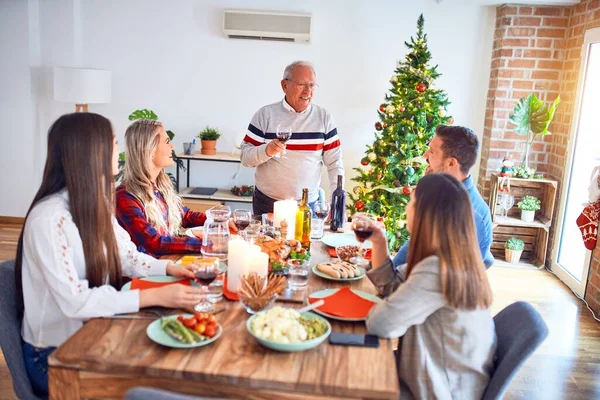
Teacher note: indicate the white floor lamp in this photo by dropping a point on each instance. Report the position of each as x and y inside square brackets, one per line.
[82, 86]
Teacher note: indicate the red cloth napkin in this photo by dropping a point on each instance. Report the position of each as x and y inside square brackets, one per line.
[142, 284]
[345, 303]
[333, 253]
[226, 293]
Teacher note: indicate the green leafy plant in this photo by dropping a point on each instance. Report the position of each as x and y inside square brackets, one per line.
[143, 114]
[524, 172]
[532, 117]
[530, 203]
[514, 244]
[209, 133]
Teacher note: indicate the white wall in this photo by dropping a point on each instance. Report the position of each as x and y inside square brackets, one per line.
[16, 109]
[173, 58]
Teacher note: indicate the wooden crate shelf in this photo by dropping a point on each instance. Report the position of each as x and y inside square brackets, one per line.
[533, 234]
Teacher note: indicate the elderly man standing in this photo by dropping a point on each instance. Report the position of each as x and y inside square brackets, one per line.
[284, 168]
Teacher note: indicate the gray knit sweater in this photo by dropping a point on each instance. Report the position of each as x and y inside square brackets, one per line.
[444, 353]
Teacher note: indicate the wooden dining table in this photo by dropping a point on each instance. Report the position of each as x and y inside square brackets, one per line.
[107, 357]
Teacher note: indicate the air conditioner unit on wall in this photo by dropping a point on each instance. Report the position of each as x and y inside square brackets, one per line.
[267, 25]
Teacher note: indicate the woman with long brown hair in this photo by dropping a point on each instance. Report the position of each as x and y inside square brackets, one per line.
[147, 205]
[72, 253]
[438, 303]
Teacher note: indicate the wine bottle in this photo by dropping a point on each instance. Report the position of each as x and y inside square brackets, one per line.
[338, 206]
[303, 220]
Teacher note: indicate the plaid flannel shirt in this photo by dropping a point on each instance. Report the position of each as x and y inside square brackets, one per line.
[132, 217]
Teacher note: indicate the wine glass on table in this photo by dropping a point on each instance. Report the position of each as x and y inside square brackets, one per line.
[206, 271]
[283, 134]
[241, 219]
[506, 202]
[320, 212]
[362, 225]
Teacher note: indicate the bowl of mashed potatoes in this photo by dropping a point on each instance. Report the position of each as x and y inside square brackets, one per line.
[284, 329]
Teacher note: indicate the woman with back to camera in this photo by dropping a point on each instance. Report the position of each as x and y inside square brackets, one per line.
[438, 303]
[147, 205]
[72, 253]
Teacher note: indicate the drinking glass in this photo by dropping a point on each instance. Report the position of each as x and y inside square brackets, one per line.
[320, 213]
[506, 202]
[362, 227]
[283, 134]
[206, 271]
[241, 219]
[298, 272]
[253, 231]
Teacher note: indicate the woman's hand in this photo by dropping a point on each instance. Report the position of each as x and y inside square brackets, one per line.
[232, 226]
[183, 270]
[171, 296]
[378, 229]
[379, 252]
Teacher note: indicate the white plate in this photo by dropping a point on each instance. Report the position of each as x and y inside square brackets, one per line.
[344, 239]
[331, 278]
[189, 233]
[328, 292]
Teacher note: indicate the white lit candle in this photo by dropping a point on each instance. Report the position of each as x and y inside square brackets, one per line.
[236, 263]
[285, 210]
[259, 263]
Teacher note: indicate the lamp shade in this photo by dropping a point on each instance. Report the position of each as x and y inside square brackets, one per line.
[82, 86]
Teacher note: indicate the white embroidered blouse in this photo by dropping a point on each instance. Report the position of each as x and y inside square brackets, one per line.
[56, 294]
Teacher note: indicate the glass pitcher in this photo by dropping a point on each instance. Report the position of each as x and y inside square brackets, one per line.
[216, 232]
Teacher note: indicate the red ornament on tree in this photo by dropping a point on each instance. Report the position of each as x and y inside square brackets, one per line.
[378, 126]
[401, 109]
[382, 108]
[407, 190]
[421, 87]
[364, 162]
[359, 205]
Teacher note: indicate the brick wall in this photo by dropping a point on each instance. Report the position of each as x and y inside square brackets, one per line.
[537, 49]
[528, 54]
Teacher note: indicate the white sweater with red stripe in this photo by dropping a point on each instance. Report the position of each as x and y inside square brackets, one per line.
[314, 143]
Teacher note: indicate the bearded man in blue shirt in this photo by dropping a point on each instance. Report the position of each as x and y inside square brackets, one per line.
[453, 150]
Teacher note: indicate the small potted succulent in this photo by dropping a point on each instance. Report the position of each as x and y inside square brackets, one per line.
[208, 136]
[529, 205]
[513, 248]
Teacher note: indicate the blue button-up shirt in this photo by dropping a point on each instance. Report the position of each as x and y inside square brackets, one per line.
[483, 226]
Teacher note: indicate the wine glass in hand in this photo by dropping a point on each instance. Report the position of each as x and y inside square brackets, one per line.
[283, 134]
[363, 229]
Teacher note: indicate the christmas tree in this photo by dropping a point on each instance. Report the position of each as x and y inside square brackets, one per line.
[407, 122]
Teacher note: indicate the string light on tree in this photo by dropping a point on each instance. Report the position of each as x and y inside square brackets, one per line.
[412, 109]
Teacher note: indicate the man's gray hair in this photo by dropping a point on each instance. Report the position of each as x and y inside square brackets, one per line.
[287, 73]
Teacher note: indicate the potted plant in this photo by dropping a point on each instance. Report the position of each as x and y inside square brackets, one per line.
[208, 136]
[532, 117]
[513, 248]
[529, 205]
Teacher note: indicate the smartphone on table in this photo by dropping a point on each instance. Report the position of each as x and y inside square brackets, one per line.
[353, 339]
